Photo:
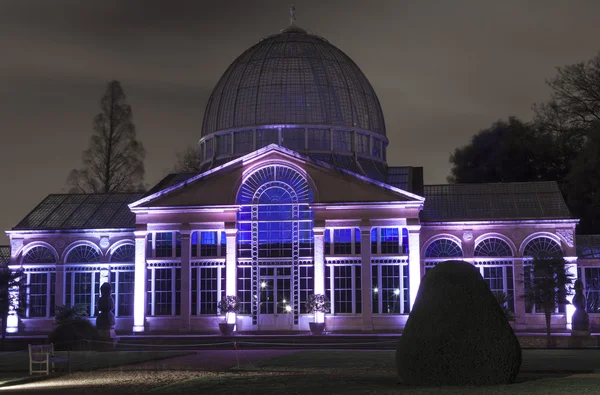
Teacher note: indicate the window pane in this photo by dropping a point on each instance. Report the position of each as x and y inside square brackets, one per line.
[38, 286]
[164, 245]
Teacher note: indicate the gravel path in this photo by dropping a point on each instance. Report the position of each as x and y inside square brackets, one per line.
[144, 376]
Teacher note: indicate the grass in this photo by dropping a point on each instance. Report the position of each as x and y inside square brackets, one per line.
[374, 372]
[13, 362]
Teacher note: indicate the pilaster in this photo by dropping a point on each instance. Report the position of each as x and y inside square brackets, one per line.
[519, 287]
[185, 308]
[139, 289]
[365, 278]
[231, 265]
[414, 262]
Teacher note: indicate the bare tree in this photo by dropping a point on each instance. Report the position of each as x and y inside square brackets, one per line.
[114, 161]
[188, 160]
[575, 95]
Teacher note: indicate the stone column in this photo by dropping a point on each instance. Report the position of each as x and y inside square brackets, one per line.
[414, 262]
[365, 279]
[319, 266]
[570, 309]
[59, 288]
[231, 265]
[519, 289]
[139, 289]
[186, 272]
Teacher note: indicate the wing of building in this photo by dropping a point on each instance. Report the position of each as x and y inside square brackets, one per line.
[294, 198]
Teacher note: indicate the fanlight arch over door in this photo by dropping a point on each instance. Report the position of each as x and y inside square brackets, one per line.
[124, 253]
[83, 254]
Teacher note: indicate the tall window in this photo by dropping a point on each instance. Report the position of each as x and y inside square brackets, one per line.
[41, 282]
[244, 287]
[208, 288]
[590, 276]
[80, 289]
[535, 247]
[163, 291]
[343, 286]
[390, 287]
[493, 257]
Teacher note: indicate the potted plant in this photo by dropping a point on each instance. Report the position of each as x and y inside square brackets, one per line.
[230, 306]
[319, 305]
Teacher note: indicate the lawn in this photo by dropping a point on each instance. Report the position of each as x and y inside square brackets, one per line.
[16, 362]
[373, 372]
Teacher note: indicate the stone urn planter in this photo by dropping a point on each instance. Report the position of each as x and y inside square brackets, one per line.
[230, 306]
[319, 305]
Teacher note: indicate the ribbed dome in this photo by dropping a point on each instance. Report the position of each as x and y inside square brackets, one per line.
[293, 78]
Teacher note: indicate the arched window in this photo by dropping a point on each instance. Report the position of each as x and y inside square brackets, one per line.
[39, 254]
[443, 248]
[83, 254]
[124, 253]
[492, 247]
[542, 245]
[274, 221]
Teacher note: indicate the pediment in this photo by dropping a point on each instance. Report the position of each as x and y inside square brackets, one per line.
[219, 187]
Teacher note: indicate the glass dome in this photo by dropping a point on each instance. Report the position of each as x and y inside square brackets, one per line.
[297, 90]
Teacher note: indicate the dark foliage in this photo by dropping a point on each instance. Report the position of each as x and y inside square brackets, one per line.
[74, 335]
[457, 333]
[11, 280]
[549, 287]
[188, 160]
[506, 152]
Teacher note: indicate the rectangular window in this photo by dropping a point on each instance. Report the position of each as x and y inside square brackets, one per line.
[362, 141]
[591, 282]
[346, 291]
[124, 293]
[374, 241]
[390, 289]
[319, 139]
[306, 239]
[208, 291]
[223, 244]
[224, 144]
[194, 244]
[149, 252]
[82, 290]
[327, 239]
[163, 291]
[390, 241]
[38, 294]
[244, 239]
[208, 244]
[306, 285]
[209, 148]
[293, 139]
[243, 142]
[342, 141]
[244, 286]
[164, 245]
[357, 241]
[404, 241]
[342, 241]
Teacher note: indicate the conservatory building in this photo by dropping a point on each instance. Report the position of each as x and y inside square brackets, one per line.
[293, 197]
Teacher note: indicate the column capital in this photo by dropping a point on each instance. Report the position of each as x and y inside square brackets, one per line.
[229, 232]
[318, 230]
[413, 228]
[140, 234]
[365, 229]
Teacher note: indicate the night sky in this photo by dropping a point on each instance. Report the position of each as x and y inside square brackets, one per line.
[442, 70]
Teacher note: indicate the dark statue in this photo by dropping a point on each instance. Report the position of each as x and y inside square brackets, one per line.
[581, 320]
[106, 306]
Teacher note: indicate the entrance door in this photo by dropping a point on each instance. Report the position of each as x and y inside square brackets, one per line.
[275, 299]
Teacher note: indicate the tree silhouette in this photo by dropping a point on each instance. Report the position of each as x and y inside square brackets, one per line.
[188, 160]
[114, 161]
[12, 296]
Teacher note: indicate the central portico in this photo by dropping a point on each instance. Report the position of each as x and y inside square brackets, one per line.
[294, 226]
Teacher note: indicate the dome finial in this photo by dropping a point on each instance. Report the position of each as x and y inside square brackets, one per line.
[292, 14]
[293, 27]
